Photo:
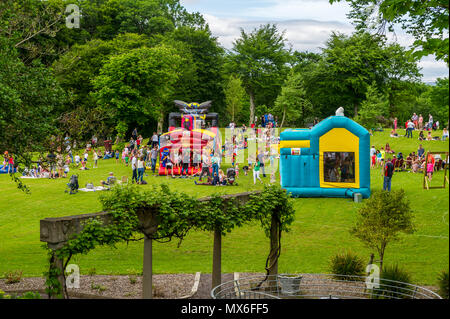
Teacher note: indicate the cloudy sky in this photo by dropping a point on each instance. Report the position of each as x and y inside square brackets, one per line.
[307, 23]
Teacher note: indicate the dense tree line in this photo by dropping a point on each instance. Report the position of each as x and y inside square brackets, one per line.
[129, 59]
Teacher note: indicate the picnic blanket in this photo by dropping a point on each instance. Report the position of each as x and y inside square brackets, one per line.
[98, 188]
[32, 177]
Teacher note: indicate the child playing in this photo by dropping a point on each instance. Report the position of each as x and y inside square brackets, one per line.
[95, 159]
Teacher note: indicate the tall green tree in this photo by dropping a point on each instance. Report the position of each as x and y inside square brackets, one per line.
[30, 101]
[259, 58]
[293, 104]
[135, 86]
[234, 94]
[373, 108]
[349, 64]
[426, 21]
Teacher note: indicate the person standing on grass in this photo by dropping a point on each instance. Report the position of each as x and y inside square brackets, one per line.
[206, 164]
[141, 169]
[420, 122]
[95, 159]
[154, 157]
[138, 142]
[134, 168]
[186, 159]
[215, 164]
[77, 159]
[388, 172]
[261, 160]
[155, 140]
[410, 129]
[256, 169]
[395, 123]
[117, 156]
[430, 166]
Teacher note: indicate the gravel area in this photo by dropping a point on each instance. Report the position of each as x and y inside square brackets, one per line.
[176, 286]
[123, 287]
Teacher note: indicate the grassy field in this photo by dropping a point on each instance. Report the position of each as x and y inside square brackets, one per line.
[320, 230]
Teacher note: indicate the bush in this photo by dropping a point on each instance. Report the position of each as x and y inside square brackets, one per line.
[347, 264]
[394, 284]
[443, 284]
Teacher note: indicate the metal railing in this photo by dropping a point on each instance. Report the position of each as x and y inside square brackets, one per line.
[318, 286]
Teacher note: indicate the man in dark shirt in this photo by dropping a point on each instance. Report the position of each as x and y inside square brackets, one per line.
[388, 172]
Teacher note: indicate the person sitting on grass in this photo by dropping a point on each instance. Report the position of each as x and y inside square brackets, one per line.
[415, 167]
[409, 161]
[111, 180]
[421, 136]
[394, 133]
[216, 180]
[429, 137]
[222, 178]
[83, 166]
[208, 183]
[388, 149]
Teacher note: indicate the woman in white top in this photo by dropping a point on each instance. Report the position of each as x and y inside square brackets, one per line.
[95, 159]
[141, 169]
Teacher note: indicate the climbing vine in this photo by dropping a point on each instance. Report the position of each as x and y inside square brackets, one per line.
[175, 215]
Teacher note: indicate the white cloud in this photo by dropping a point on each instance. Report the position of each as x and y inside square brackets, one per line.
[308, 24]
[319, 10]
[303, 35]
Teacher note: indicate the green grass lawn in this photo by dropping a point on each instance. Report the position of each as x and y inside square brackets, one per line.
[320, 230]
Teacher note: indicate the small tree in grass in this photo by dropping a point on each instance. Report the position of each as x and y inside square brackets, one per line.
[381, 219]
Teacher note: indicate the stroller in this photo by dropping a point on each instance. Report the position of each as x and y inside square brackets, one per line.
[73, 185]
[231, 177]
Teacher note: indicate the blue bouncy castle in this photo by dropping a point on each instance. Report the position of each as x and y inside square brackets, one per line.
[330, 160]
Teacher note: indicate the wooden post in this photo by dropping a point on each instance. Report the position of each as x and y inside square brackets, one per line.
[217, 259]
[147, 281]
[274, 245]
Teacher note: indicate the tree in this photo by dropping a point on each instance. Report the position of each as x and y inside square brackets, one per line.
[78, 67]
[234, 93]
[349, 65]
[207, 62]
[292, 102]
[259, 59]
[372, 109]
[440, 101]
[426, 21]
[134, 86]
[30, 101]
[381, 219]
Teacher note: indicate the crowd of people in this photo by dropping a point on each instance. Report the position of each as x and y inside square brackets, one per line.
[417, 123]
[209, 163]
